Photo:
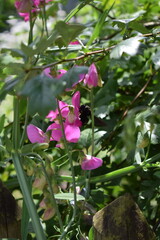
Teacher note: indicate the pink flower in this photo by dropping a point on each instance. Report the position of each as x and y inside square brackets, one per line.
[49, 210]
[72, 132]
[23, 6]
[74, 43]
[61, 73]
[91, 78]
[72, 123]
[56, 133]
[36, 135]
[47, 72]
[90, 163]
[64, 111]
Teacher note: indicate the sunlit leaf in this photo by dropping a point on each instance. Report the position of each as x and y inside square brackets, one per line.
[129, 46]
[69, 196]
[67, 32]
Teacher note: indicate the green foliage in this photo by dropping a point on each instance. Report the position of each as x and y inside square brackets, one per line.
[122, 39]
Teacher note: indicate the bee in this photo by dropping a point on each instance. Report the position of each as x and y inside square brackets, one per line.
[85, 113]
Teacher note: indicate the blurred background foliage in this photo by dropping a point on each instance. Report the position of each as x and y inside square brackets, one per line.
[126, 107]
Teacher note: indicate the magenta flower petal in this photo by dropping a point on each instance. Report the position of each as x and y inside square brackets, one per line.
[74, 43]
[64, 108]
[90, 163]
[61, 73]
[52, 115]
[91, 78]
[23, 6]
[56, 133]
[72, 133]
[76, 103]
[36, 135]
[47, 72]
[64, 111]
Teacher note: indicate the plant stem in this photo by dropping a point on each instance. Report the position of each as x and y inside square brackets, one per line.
[31, 24]
[22, 177]
[114, 174]
[92, 150]
[45, 19]
[25, 126]
[53, 197]
[73, 175]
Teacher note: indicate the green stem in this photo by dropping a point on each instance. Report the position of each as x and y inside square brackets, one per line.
[114, 174]
[73, 175]
[92, 118]
[31, 24]
[25, 126]
[92, 150]
[77, 9]
[103, 178]
[53, 197]
[16, 124]
[22, 177]
[45, 20]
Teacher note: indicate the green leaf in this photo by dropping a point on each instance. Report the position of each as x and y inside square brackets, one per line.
[156, 59]
[106, 94]
[91, 234]
[14, 52]
[131, 23]
[99, 25]
[2, 120]
[7, 88]
[27, 50]
[157, 174]
[77, 9]
[129, 46]
[42, 91]
[44, 43]
[69, 196]
[67, 32]
[138, 27]
[14, 68]
[73, 75]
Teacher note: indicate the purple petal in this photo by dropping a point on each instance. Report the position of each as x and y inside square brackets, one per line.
[36, 135]
[72, 133]
[56, 133]
[47, 72]
[91, 78]
[76, 102]
[90, 163]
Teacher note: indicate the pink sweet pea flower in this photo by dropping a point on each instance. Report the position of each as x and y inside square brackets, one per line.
[56, 133]
[70, 114]
[23, 6]
[74, 43]
[64, 111]
[90, 163]
[72, 132]
[91, 78]
[36, 135]
[47, 72]
[61, 73]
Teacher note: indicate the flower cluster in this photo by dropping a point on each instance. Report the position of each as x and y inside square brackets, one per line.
[70, 115]
[71, 123]
[25, 6]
